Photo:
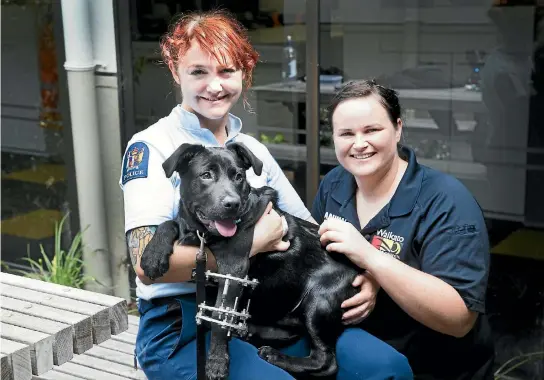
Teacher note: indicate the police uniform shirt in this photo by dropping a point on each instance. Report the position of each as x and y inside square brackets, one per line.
[435, 225]
[150, 198]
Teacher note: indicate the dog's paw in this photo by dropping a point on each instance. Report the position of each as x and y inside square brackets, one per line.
[156, 260]
[217, 367]
[269, 354]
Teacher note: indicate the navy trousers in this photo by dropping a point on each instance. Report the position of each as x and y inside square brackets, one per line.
[166, 349]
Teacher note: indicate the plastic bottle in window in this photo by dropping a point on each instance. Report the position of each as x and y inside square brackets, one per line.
[289, 63]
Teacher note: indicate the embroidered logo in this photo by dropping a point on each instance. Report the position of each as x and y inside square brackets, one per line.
[328, 215]
[388, 242]
[136, 162]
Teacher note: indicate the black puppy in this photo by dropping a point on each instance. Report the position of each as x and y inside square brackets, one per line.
[301, 287]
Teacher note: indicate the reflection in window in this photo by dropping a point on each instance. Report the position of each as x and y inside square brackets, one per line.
[34, 191]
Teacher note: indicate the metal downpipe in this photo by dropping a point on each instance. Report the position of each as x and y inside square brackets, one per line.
[80, 67]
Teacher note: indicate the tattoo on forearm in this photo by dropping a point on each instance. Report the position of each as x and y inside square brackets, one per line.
[137, 240]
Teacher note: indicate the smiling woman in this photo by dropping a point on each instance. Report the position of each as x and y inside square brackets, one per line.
[369, 129]
[212, 61]
[211, 58]
[418, 232]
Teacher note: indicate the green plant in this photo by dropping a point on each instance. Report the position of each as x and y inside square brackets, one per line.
[65, 268]
[279, 138]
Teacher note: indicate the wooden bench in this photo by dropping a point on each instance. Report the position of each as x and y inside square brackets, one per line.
[112, 359]
[49, 331]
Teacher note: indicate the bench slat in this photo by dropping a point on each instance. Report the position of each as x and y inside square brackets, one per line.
[113, 344]
[41, 346]
[82, 334]
[112, 355]
[114, 368]
[19, 359]
[134, 320]
[87, 373]
[100, 315]
[132, 329]
[63, 343]
[125, 338]
[56, 375]
[117, 306]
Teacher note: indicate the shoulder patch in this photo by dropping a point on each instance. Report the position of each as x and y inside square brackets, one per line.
[136, 161]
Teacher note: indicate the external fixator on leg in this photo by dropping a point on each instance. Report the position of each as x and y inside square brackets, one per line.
[228, 318]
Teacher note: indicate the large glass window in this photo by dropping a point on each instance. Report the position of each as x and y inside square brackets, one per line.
[463, 72]
[35, 149]
[469, 74]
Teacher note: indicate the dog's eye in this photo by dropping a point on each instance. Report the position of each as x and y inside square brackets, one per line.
[238, 177]
[206, 175]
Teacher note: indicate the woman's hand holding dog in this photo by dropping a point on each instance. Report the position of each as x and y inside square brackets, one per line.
[343, 237]
[268, 233]
[361, 305]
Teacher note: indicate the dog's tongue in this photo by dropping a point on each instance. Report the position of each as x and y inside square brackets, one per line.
[226, 228]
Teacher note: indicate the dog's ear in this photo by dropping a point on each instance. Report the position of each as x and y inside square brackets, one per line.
[180, 158]
[247, 157]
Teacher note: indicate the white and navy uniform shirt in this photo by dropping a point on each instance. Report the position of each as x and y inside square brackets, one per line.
[151, 198]
[434, 224]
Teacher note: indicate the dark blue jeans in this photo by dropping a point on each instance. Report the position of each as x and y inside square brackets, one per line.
[166, 349]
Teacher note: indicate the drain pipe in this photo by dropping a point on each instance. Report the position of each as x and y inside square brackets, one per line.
[80, 66]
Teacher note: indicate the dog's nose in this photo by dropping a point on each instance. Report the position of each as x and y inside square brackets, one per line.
[231, 203]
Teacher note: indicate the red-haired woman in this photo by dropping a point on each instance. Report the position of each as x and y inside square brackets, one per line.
[210, 57]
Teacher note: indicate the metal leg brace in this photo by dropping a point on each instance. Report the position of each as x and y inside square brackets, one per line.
[228, 318]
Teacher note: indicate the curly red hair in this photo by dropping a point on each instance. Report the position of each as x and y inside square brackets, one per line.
[218, 33]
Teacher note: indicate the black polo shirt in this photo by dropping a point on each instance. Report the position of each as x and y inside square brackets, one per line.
[435, 225]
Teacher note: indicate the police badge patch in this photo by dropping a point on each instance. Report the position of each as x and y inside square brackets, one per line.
[135, 162]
